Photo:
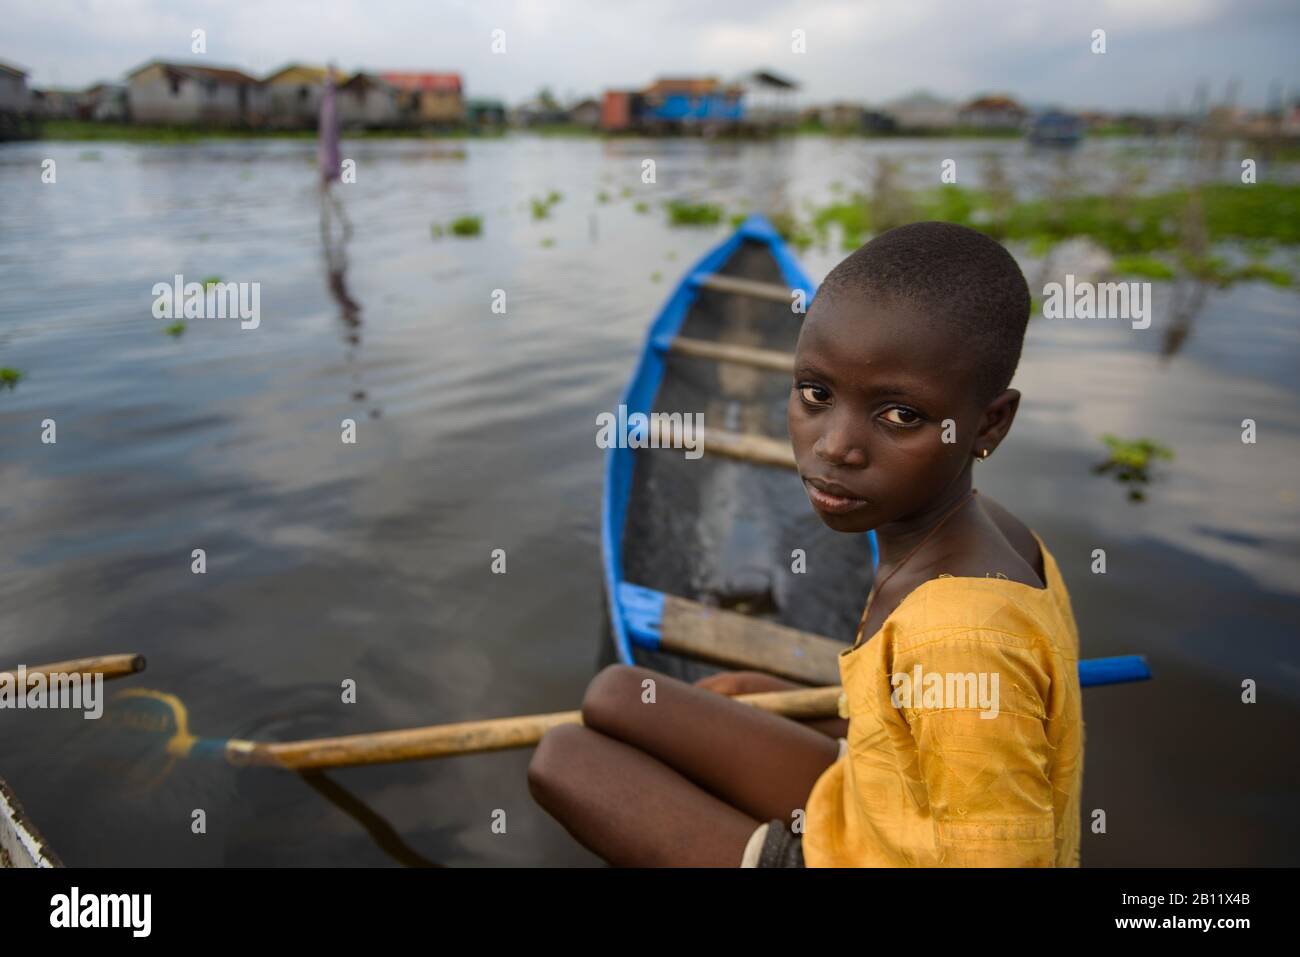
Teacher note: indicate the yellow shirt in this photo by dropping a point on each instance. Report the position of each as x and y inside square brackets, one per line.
[979, 763]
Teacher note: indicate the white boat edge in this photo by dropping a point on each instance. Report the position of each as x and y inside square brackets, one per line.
[21, 845]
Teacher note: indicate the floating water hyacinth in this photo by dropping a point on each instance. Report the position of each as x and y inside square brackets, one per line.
[1145, 267]
[1130, 462]
[542, 207]
[682, 213]
[175, 330]
[9, 377]
[467, 226]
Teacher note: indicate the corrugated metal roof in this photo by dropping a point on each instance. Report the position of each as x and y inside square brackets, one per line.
[195, 71]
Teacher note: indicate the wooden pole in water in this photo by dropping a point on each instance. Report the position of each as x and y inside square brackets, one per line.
[110, 666]
[477, 737]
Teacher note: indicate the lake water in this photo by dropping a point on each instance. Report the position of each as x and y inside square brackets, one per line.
[475, 432]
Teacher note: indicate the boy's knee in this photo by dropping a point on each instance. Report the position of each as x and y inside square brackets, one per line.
[612, 692]
[553, 754]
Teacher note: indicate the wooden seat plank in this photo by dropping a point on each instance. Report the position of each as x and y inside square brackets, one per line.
[738, 641]
[770, 291]
[728, 352]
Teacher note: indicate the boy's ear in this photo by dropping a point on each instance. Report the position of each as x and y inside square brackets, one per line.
[996, 423]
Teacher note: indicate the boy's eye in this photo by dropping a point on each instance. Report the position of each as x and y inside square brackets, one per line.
[897, 415]
[814, 394]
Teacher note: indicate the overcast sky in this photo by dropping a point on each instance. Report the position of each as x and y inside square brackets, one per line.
[862, 50]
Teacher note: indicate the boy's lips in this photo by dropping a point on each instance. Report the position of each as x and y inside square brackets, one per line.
[832, 497]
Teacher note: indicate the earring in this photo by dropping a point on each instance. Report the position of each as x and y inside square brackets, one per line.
[984, 453]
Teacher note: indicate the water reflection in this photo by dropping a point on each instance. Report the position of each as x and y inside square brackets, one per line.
[335, 233]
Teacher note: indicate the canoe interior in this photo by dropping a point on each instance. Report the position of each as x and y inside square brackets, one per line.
[722, 532]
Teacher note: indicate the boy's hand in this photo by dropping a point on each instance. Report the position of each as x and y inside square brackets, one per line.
[745, 682]
[753, 682]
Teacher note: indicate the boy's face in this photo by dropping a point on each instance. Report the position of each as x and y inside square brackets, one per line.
[873, 384]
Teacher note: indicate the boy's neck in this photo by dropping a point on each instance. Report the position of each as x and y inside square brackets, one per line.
[896, 539]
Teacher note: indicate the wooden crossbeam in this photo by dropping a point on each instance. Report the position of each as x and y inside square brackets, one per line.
[727, 352]
[738, 641]
[771, 291]
[758, 449]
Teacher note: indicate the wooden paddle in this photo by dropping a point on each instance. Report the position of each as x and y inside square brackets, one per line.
[161, 713]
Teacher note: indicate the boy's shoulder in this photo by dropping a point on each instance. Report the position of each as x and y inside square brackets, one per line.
[1017, 534]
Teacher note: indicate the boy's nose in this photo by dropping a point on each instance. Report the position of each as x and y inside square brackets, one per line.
[839, 447]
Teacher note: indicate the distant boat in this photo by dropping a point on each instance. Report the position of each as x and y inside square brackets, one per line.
[1056, 128]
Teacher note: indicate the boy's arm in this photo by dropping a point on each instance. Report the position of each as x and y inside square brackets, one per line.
[985, 763]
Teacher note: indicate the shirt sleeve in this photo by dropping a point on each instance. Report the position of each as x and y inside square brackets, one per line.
[978, 718]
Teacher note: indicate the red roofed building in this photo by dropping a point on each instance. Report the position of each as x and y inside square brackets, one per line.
[435, 98]
[993, 113]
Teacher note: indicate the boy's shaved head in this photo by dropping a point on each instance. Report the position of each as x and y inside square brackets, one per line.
[954, 275]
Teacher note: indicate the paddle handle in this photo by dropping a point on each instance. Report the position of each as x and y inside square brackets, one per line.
[474, 737]
[110, 666]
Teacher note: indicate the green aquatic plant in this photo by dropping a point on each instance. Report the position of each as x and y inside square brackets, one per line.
[656, 276]
[682, 213]
[466, 226]
[211, 281]
[9, 377]
[642, 207]
[602, 197]
[175, 330]
[852, 217]
[790, 229]
[1209, 269]
[1130, 461]
[1040, 246]
[547, 242]
[1262, 272]
[542, 207]
[1144, 267]
[625, 192]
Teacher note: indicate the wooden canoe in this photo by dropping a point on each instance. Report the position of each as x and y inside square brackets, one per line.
[718, 561]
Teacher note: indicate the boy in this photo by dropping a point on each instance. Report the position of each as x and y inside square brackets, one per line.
[964, 742]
